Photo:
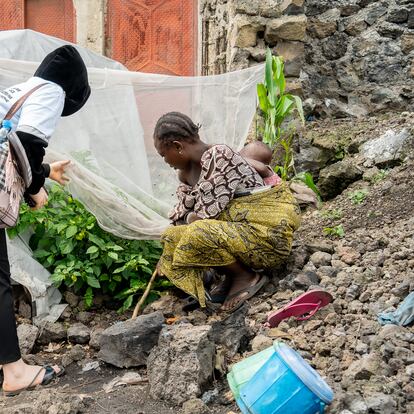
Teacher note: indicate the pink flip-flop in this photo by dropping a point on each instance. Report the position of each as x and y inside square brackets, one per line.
[303, 307]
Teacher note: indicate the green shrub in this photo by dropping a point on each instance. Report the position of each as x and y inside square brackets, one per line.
[333, 214]
[336, 231]
[358, 196]
[80, 255]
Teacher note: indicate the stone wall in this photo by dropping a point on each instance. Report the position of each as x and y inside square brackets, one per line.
[347, 57]
[90, 27]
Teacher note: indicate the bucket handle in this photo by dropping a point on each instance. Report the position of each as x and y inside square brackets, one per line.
[322, 407]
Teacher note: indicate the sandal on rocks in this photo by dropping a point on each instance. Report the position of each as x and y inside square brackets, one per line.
[303, 307]
[251, 291]
[50, 375]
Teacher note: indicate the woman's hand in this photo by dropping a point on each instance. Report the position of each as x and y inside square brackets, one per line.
[57, 171]
[40, 199]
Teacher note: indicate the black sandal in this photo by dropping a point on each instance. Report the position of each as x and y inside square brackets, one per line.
[50, 375]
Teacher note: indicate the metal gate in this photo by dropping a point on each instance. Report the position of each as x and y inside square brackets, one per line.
[53, 17]
[158, 36]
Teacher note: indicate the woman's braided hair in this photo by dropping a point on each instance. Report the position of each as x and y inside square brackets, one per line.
[175, 126]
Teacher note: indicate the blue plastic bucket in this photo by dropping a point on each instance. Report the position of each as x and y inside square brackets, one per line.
[285, 384]
[241, 373]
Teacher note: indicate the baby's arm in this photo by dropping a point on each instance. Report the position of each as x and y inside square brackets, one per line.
[263, 169]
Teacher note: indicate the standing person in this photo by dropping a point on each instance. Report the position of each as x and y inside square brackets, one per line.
[234, 223]
[65, 89]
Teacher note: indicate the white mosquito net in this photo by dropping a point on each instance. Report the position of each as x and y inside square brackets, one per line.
[116, 172]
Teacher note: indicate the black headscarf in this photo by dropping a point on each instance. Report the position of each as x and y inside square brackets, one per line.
[65, 67]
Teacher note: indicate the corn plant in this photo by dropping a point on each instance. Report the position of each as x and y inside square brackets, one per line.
[275, 104]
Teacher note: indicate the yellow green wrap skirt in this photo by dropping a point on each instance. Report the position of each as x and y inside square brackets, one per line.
[256, 230]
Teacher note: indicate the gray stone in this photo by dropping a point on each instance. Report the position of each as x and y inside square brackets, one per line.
[325, 25]
[195, 406]
[321, 259]
[410, 22]
[358, 406]
[231, 332]
[355, 25]
[128, 344]
[52, 332]
[261, 342]
[407, 42]
[85, 317]
[292, 53]
[380, 403]
[335, 46]
[243, 32]
[364, 368]
[305, 280]
[336, 177]
[375, 12]
[75, 354]
[71, 299]
[390, 30]
[398, 15]
[27, 335]
[95, 338]
[285, 28]
[79, 333]
[181, 366]
[389, 149]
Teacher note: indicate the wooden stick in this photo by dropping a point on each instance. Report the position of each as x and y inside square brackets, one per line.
[145, 295]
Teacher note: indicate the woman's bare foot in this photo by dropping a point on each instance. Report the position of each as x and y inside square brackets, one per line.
[18, 375]
[241, 283]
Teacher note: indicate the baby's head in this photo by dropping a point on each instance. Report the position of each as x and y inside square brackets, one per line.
[258, 151]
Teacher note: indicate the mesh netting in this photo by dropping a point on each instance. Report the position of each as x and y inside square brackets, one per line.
[116, 171]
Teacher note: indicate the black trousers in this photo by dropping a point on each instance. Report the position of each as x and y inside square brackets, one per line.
[9, 343]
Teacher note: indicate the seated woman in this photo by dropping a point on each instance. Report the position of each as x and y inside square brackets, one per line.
[235, 224]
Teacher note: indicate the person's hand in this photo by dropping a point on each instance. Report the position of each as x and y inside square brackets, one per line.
[40, 199]
[57, 171]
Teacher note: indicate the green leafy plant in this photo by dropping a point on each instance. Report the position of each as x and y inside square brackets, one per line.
[336, 231]
[379, 176]
[358, 196]
[307, 179]
[80, 255]
[276, 105]
[334, 214]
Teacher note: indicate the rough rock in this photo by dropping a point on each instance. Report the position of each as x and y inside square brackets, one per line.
[181, 366]
[128, 344]
[75, 354]
[48, 401]
[195, 406]
[286, 28]
[79, 333]
[231, 332]
[95, 338]
[71, 299]
[336, 177]
[261, 342]
[52, 332]
[325, 25]
[321, 259]
[292, 53]
[27, 335]
[363, 369]
[244, 32]
[388, 149]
